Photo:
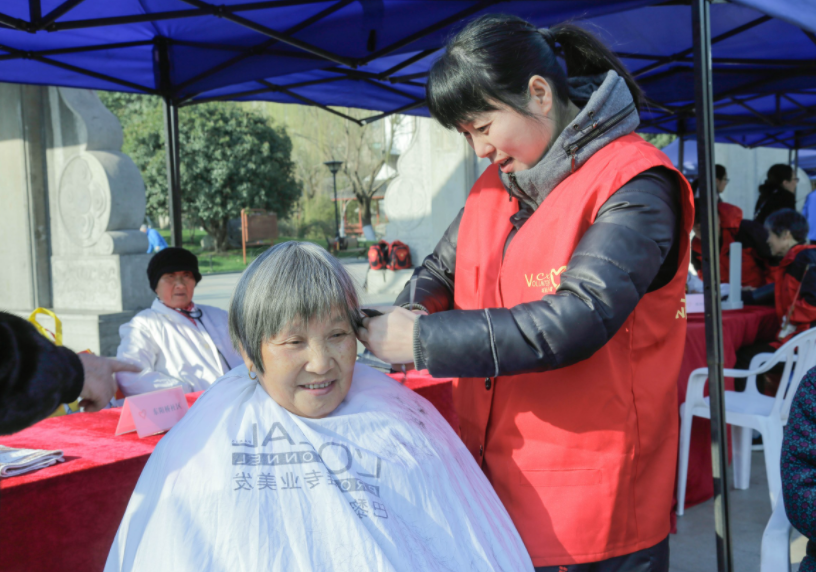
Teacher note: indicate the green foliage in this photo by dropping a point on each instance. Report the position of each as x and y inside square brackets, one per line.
[659, 140]
[314, 221]
[230, 159]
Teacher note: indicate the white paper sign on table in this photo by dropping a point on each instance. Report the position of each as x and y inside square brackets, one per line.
[152, 413]
[695, 303]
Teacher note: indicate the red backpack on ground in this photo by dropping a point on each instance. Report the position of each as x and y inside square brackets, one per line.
[378, 255]
[399, 256]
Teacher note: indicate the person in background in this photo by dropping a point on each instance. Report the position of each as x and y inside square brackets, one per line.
[721, 177]
[36, 376]
[756, 254]
[175, 341]
[794, 288]
[777, 192]
[809, 211]
[799, 466]
[156, 242]
[721, 180]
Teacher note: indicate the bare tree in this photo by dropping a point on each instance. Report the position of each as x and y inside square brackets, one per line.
[369, 150]
[368, 153]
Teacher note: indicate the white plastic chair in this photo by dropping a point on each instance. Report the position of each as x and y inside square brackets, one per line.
[775, 551]
[748, 410]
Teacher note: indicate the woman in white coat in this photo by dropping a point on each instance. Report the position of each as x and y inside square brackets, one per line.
[175, 341]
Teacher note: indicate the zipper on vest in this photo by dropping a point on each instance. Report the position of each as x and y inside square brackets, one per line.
[598, 129]
[512, 177]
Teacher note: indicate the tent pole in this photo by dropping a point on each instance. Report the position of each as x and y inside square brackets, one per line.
[704, 104]
[171, 145]
[681, 149]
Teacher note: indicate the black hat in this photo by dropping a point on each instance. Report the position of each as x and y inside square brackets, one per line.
[171, 260]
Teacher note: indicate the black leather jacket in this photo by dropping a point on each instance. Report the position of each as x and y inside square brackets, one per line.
[35, 375]
[632, 248]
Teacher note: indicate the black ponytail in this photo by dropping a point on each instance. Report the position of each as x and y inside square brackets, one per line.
[493, 58]
[584, 54]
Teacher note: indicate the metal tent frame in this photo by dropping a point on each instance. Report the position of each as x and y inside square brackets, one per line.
[704, 104]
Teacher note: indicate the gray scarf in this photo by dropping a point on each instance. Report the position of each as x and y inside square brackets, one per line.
[609, 110]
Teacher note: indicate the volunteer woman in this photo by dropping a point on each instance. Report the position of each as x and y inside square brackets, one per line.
[175, 341]
[557, 295]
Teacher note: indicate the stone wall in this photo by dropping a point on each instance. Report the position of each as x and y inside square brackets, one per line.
[25, 274]
[436, 173]
[73, 203]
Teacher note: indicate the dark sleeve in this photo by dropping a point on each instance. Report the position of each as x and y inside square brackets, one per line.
[35, 375]
[790, 200]
[434, 279]
[803, 270]
[799, 459]
[632, 248]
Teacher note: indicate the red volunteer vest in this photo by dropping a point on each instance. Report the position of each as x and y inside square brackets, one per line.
[753, 273]
[583, 457]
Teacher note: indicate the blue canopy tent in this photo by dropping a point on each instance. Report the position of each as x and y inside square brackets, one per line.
[653, 41]
[375, 54]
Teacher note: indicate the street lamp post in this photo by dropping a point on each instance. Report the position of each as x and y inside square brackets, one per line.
[334, 166]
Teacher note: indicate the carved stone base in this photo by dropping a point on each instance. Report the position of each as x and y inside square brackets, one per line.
[101, 283]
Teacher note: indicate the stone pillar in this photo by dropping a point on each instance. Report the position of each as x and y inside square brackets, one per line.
[436, 173]
[89, 201]
[25, 278]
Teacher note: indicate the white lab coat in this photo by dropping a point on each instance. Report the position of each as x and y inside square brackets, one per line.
[172, 351]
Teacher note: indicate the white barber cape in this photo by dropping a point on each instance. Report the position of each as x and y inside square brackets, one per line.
[382, 484]
[171, 350]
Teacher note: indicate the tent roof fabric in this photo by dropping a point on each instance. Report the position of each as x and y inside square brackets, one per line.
[184, 47]
[375, 54]
[764, 73]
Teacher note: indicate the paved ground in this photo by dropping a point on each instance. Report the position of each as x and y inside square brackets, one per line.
[693, 547]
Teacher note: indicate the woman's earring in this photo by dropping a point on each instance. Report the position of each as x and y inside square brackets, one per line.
[250, 374]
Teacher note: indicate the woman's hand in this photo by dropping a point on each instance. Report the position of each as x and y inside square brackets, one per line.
[390, 337]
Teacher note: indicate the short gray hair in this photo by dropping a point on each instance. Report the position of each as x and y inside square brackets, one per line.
[292, 281]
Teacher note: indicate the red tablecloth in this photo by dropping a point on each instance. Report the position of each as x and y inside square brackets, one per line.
[741, 328]
[64, 517]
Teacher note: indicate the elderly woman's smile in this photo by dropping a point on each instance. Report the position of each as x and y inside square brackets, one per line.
[308, 369]
[294, 315]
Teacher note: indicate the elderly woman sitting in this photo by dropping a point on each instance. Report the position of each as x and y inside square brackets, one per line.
[305, 461]
[175, 341]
